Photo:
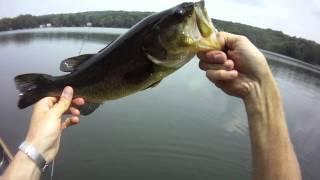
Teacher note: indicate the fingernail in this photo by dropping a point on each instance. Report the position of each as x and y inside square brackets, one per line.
[67, 92]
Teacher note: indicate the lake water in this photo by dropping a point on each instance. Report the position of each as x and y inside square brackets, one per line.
[185, 128]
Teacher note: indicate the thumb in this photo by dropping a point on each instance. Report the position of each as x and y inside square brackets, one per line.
[228, 40]
[64, 101]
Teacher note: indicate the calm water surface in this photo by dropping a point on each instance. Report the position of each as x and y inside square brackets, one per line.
[185, 128]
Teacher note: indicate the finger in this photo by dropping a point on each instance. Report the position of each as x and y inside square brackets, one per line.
[228, 65]
[228, 40]
[74, 111]
[51, 100]
[74, 107]
[45, 104]
[47, 100]
[221, 75]
[213, 57]
[234, 55]
[221, 84]
[78, 101]
[64, 101]
[205, 66]
[201, 54]
[70, 122]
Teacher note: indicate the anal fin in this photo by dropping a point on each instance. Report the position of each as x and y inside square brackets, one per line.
[153, 85]
[88, 108]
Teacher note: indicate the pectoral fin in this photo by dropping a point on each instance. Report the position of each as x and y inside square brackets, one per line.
[70, 64]
[88, 108]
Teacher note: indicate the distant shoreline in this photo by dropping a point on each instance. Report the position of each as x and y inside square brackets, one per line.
[84, 30]
[289, 60]
[117, 31]
[275, 41]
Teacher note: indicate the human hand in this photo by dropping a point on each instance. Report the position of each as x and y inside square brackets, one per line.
[237, 71]
[46, 123]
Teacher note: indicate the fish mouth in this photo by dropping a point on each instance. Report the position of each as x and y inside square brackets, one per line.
[205, 27]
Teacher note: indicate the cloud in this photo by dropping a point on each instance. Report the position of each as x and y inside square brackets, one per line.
[293, 17]
[257, 3]
[316, 7]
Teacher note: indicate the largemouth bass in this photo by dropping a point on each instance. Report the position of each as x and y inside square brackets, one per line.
[151, 50]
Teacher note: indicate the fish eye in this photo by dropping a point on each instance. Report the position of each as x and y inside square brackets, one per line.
[180, 11]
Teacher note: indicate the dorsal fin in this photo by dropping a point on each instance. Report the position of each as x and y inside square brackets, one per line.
[70, 64]
[106, 46]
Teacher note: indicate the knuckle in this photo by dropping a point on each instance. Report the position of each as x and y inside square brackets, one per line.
[213, 75]
[202, 65]
[219, 74]
[218, 84]
[65, 103]
[200, 55]
[243, 38]
[210, 75]
[229, 65]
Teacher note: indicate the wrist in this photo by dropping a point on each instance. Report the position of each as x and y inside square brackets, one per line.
[26, 161]
[265, 110]
[43, 146]
[263, 104]
[34, 155]
[262, 90]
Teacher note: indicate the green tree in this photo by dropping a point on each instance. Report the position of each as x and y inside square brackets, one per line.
[267, 39]
[24, 21]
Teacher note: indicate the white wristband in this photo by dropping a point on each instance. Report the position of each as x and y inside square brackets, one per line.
[34, 155]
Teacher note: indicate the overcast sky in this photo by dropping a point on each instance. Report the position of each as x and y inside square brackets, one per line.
[299, 18]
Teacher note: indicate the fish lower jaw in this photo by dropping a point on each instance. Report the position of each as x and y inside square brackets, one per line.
[207, 44]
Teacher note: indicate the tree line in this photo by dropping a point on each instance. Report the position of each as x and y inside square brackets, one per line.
[123, 19]
[276, 41]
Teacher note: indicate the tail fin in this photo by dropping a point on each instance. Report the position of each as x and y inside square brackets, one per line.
[32, 87]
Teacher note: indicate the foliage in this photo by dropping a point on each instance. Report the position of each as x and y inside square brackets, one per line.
[97, 18]
[276, 41]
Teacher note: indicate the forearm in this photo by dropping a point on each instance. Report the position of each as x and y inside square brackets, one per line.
[22, 167]
[273, 154]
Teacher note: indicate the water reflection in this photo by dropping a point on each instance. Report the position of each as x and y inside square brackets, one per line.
[309, 79]
[25, 38]
[300, 91]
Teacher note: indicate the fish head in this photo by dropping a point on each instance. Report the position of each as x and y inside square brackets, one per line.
[180, 33]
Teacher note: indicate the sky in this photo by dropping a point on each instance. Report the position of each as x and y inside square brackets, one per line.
[300, 18]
